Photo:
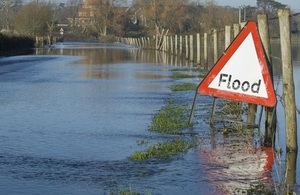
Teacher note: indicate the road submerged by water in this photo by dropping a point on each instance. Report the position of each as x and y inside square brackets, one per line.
[71, 116]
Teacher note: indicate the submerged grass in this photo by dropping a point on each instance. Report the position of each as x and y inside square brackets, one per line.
[183, 87]
[185, 69]
[170, 119]
[128, 191]
[179, 75]
[164, 150]
[125, 192]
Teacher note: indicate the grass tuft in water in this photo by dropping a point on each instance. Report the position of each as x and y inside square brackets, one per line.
[124, 192]
[183, 87]
[164, 150]
[129, 191]
[170, 119]
[178, 75]
[185, 69]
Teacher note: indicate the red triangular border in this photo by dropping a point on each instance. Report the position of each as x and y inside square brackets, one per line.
[203, 88]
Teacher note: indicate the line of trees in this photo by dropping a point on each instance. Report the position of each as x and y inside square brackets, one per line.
[113, 17]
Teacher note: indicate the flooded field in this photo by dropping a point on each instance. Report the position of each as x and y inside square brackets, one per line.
[71, 116]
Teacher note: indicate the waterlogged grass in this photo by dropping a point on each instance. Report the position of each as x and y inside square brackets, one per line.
[184, 69]
[164, 150]
[170, 119]
[183, 87]
[179, 75]
[129, 191]
[125, 192]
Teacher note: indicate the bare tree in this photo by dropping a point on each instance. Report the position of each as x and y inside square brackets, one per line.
[32, 19]
[163, 14]
[103, 14]
[214, 16]
[269, 6]
[71, 12]
[8, 9]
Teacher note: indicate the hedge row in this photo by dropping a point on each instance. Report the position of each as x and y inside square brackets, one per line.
[15, 43]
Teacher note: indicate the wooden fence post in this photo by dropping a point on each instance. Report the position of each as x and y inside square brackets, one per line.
[168, 44]
[191, 48]
[290, 169]
[205, 51]
[171, 45]
[180, 45]
[252, 108]
[198, 49]
[270, 124]
[288, 80]
[236, 30]
[186, 47]
[176, 45]
[215, 34]
[227, 36]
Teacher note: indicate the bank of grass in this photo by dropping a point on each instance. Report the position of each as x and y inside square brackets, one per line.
[183, 87]
[164, 150]
[171, 119]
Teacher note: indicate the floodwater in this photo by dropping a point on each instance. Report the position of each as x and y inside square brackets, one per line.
[72, 114]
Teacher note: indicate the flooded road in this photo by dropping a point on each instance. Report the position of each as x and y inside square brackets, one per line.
[71, 116]
[69, 122]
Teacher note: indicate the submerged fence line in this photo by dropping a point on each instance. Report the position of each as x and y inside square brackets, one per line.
[200, 49]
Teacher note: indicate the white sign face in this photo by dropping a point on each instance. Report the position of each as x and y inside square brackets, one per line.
[242, 73]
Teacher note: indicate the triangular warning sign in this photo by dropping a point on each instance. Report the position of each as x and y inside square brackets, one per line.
[242, 73]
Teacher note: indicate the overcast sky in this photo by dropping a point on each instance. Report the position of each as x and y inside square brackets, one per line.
[294, 4]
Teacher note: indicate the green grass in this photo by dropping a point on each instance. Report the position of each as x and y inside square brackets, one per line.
[178, 75]
[164, 150]
[184, 69]
[128, 191]
[183, 87]
[170, 119]
[125, 192]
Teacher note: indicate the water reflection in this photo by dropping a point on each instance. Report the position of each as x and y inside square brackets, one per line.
[112, 53]
[232, 164]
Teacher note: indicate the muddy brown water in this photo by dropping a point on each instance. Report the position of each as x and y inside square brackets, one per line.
[73, 113]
